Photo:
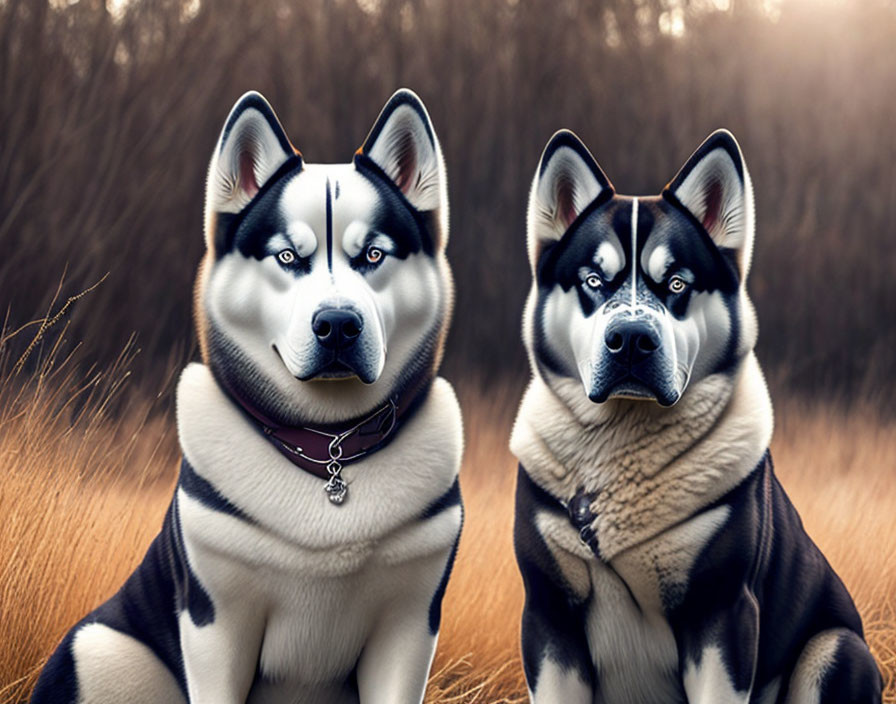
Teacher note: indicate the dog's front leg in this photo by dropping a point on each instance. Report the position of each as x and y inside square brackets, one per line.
[556, 658]
[220, 658]
[394, 665]
[718, 653]
[396, 660]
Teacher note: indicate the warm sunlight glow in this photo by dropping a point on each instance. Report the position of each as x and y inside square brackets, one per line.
[117, 8]
[672, 22]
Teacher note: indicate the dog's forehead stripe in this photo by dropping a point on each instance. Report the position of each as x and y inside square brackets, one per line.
[329, 206]
[634, 257]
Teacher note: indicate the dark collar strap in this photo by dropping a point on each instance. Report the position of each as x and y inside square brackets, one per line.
[323, 450]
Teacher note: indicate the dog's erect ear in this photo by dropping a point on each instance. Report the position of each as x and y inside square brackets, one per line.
[714, 186]
[566, 182]
[403, 144]
[251, 148]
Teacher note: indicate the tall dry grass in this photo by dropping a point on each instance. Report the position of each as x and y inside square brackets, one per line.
[87, 470]
[83, 494]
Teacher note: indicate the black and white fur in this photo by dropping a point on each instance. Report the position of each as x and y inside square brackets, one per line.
[661, 558]
[257, 588]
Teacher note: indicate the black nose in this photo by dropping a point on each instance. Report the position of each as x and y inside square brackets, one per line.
[631, 340]
[336, 328]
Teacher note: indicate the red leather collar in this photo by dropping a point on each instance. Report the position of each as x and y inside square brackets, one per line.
[323, 450]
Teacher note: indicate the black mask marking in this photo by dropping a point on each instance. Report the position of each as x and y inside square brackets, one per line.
[410, 229]
[691, 248]
[562, 261]
[249, 230]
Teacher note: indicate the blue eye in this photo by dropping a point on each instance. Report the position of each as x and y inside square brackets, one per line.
[593, 281]
[286, 257]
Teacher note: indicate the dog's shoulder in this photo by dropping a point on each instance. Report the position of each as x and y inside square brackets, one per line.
[792, 557]
[440, 417]
[762, 550]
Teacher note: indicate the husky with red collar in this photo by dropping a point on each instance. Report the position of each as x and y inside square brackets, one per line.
[314, 525]
[662, 560]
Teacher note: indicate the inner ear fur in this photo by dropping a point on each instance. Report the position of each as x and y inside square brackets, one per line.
[567, 181]
[251, 148]
[714, 187]
[403, 144]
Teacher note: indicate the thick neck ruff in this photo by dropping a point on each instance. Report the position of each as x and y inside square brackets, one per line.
[645, 468]
[323, 450]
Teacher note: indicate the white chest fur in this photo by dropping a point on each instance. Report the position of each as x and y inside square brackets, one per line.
[304, 583]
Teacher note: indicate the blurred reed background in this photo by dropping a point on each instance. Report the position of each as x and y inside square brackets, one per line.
[108, 115]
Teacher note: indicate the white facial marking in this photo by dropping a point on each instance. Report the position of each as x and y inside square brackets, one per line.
[302, 238]
[353, 238]
[634, 249]
[608, 259]
[384, 243]
[658, 263]
[280, 242]
[569, 334]
[299, 207]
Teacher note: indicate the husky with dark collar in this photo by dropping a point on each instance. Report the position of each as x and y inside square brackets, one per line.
[313, 528]
[662, 560]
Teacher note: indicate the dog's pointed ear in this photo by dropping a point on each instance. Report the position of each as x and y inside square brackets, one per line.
[714, 187]
[403, 144]
[567, 181]
[251, 148]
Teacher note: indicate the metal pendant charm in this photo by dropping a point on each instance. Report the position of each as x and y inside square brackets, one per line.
[336, 490]
[581, 516]
[335, 487]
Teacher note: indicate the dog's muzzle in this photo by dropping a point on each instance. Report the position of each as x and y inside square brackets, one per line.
[632, 363]
[340, 355]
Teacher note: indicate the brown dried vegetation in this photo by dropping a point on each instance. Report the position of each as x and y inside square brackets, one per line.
[84, 494]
